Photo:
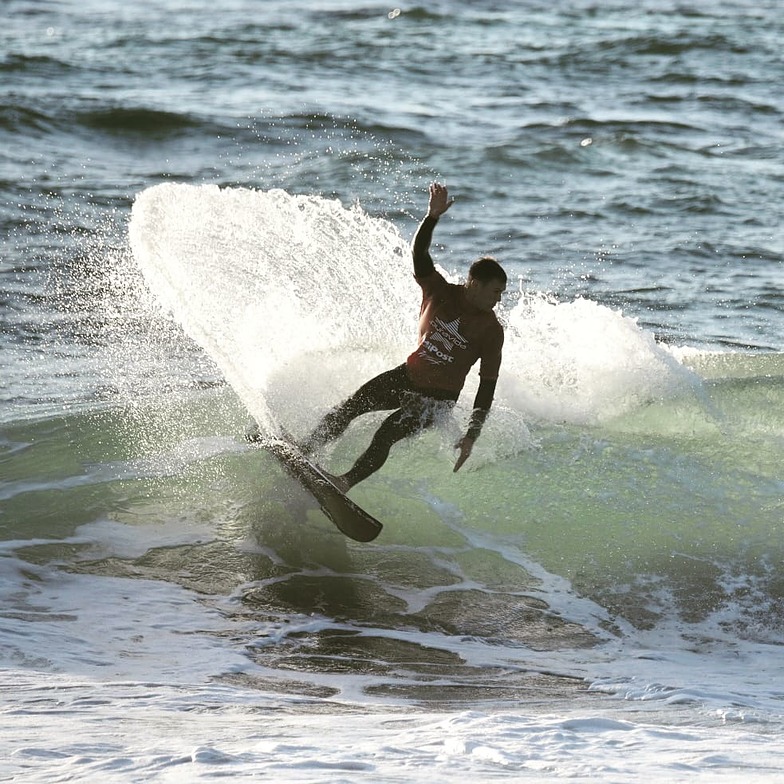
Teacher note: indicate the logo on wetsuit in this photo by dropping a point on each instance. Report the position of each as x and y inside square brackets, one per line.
[442, 339]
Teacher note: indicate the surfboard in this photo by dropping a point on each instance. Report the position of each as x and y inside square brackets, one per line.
[349, 518]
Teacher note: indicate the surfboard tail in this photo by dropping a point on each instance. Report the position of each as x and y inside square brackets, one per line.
[347, 516]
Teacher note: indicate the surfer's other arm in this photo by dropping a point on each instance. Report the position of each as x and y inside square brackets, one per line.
[482, 403]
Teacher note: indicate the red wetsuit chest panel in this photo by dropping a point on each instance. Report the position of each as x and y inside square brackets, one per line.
[453, 335]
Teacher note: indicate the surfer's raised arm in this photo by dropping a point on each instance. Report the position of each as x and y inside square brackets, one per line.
[438, 203]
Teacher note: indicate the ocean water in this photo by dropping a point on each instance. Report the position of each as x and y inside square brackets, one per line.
[205, 215]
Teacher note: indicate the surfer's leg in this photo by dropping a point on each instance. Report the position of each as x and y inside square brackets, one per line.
[417, 414]
[381, 393]
[397, 426]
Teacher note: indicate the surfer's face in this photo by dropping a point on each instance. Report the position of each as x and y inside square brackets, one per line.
[485, 296]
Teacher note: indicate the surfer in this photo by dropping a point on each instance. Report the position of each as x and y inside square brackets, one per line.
[457, 327]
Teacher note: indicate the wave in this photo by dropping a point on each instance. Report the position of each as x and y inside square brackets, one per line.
[646, 474]
[21, 120]
[623, 489]
[37, 65]
[621, 485]
[137, 120]
[665, 515]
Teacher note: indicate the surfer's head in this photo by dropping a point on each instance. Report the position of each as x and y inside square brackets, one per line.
[486, 283]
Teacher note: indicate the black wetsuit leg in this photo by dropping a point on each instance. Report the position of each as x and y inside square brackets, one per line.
[382, 393]
[417, 409]
[416, 414]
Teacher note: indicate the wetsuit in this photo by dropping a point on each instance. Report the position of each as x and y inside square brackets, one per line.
[453, 335]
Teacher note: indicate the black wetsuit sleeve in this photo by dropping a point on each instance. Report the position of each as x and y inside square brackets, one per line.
[423, 262]
[482, 403]
[485, 394]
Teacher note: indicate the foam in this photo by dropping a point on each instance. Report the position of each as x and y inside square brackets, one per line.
[169, 736]
[583, 363]
[108, 627]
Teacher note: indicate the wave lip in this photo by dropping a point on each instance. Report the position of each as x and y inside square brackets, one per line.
[137, 120]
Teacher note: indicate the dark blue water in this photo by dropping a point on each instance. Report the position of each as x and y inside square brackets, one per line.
[204, 212]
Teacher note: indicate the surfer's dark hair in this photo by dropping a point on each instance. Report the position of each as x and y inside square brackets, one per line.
[486, 269]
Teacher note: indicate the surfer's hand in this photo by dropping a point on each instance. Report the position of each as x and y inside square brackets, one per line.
[439, 201]
[465, 445]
